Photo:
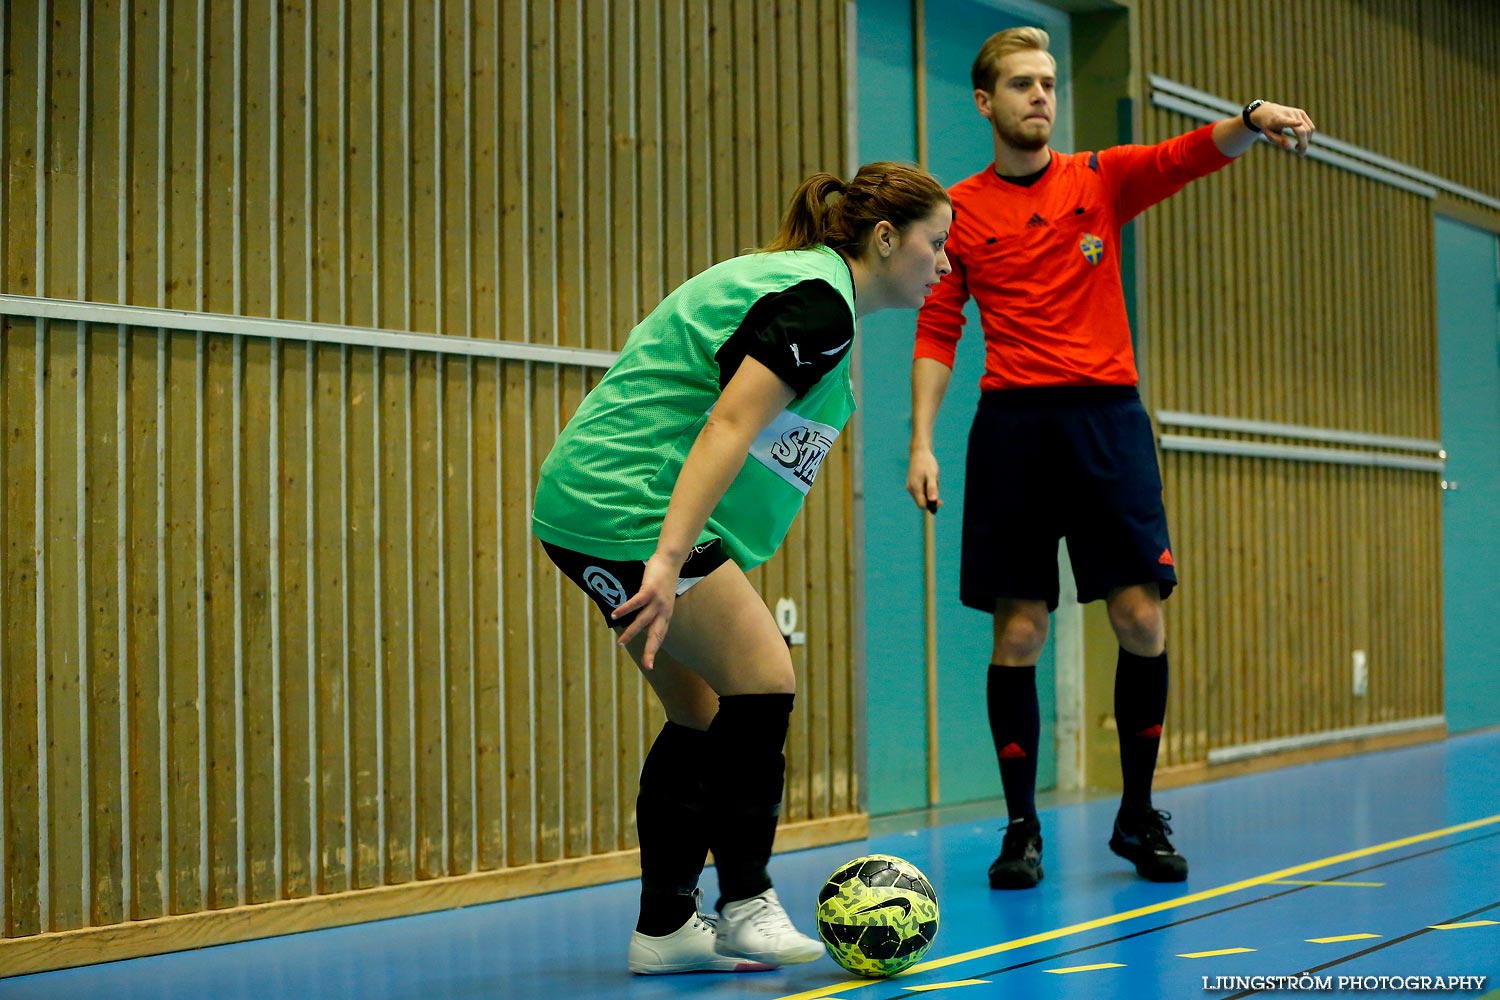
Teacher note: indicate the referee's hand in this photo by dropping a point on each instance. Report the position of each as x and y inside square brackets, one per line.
[1289, 128]
[922, 481]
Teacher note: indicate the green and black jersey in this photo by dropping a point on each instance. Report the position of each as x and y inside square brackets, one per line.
[605, 486]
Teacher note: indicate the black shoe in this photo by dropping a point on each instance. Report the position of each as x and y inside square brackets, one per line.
[1019, 865]
[1141, 836]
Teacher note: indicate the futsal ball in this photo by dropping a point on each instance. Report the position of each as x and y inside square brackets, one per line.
[877, 915]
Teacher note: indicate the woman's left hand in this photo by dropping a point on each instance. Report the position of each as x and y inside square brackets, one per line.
[654, 601]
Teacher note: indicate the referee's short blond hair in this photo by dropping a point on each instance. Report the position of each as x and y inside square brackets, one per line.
[999, 45]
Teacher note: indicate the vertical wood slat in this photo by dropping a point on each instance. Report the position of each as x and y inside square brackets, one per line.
[781, 576]
[290, 406]
[595, 809]
[365, 662]
[23, 880]
[810, 583]
[722, 116]
[483, 500]
[423, 584]
[487, 666]
[424, 581]
[455, 470]
[144, 794]
[831, 714]
[512, 816]
[107, 873]
[257, 439]
[676, 143]
[580, 791]
[223, 817]
[390, 628]
[325, 616]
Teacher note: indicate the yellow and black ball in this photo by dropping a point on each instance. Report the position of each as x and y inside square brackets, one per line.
[877, 915]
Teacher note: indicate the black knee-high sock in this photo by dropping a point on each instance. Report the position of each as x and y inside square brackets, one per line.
[1015, 723]
[670, 818]
[1140, 708]
[745, 743]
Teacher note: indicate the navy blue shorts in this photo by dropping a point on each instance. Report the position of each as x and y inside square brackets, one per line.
[611, 582]
[1069, 462]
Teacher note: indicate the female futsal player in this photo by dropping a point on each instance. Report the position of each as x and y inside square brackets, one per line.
[683, 469]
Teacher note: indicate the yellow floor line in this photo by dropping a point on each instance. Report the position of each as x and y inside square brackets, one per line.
[946, 986]
[1293, 881]
[1216, 954]
[1171, 904]
[1466, 923]
[1086, 968]
[1341, 937]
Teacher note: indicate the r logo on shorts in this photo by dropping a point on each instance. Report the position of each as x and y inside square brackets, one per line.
[602, 582]
[611, 582]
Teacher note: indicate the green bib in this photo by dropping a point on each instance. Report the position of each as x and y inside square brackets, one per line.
[605, 486]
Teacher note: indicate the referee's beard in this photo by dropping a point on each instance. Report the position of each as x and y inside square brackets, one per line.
[1028, 138]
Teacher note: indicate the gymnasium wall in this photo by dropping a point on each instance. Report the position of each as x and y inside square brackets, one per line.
[294, 301]
[1301, 295]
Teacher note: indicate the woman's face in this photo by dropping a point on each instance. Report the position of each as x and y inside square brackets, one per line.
[915, 262]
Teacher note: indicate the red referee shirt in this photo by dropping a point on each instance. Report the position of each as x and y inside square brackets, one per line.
[1042, 262]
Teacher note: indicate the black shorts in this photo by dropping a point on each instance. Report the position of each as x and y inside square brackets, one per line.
[611, 582]
[1076, 463]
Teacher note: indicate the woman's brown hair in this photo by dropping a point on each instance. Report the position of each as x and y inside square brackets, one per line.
[825, 210]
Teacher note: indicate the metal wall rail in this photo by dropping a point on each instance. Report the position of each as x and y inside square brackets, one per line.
[1207, 421]
[1433, 461]
[1297, 453]
[1208, 107]
[296, 330]
[1262, 748]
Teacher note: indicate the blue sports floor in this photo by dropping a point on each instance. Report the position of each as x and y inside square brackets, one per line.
[1381, 865]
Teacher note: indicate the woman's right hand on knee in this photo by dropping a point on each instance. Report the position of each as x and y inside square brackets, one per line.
[654, 602]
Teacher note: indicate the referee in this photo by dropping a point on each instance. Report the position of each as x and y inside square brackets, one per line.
[1061, 446]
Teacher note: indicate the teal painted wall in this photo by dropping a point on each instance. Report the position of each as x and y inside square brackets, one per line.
[959, 145]
[895, 684]
[1468, 300]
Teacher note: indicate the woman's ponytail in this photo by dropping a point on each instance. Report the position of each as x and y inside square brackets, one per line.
[808, 217]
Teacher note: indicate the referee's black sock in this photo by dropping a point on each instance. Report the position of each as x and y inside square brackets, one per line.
[670, 821]
[1140, 709]
[1015, 723]
[748, 770]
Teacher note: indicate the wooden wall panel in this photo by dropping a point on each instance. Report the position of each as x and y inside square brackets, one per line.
[1301, 294]
[274, 624]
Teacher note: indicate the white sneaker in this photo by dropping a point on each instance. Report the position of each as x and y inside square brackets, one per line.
[759, 929]
[690, 948]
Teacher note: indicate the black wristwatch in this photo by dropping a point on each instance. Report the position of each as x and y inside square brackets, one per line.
[1245, 115]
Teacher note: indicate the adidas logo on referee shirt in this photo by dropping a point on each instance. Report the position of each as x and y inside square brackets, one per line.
[1035, 220]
